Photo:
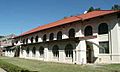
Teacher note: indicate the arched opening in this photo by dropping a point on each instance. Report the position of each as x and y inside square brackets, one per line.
[27, 50]
[88, 31]
[59, 35]
[31, 39]
[51, 37]
[41, 51]
[26, 40]
[36, 39]
[17, 52]
[23, 41]
[69, 51]
[44, 38]
[34, 50]
[103, 28]
[55, 51]
[72, 33]
[89, 52]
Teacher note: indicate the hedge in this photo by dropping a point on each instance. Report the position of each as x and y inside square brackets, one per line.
[12, 68]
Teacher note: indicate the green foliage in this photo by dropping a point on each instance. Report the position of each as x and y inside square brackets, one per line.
[92, 9]
[116, 7]
[11, 68]
[42, 66]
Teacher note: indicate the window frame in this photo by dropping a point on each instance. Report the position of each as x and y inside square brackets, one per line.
[71, 33]
[59, 35]
[51, 36]
[104, 50]
[103, 28]
[88, 31]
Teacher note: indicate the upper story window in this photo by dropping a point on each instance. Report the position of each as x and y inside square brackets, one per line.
[51, 37]
[59, 35]
[36, 39]
[69, 50]
[55, 51]
[26, 40]
[44, 38]
[88, 31]
[32, 39]
[103, 28]
[72, 33]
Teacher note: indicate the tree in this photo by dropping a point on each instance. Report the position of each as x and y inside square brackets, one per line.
[92, 9]
[115, 7]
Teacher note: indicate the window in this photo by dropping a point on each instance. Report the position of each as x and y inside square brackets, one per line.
[26, 40]
[88, 31]
[51, 36]
[31, 39]
[34, 50]
[36, 39]
[103, 28]
[41, 51]
[104, 47]
[69, 50]
[59, 35]
[44, 38]
[71, 33]
[55, 51]
[27, 50]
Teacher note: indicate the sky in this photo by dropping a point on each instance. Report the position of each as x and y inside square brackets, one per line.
[18, 16]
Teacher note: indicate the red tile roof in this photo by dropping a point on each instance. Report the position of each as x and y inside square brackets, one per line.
[82, 17]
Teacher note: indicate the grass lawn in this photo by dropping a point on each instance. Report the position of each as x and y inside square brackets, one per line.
[40, 66]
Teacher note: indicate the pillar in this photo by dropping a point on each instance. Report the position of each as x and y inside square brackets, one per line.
[81, 52]
[46, 54]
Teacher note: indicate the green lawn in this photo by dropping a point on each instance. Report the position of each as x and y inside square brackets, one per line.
[40, 66]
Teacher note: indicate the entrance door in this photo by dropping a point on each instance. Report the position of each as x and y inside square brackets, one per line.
[89, 52]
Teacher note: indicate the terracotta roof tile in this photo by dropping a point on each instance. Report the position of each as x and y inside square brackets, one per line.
[89, 15]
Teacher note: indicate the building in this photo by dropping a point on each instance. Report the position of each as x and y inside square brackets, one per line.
[6, 44]
[87, 38]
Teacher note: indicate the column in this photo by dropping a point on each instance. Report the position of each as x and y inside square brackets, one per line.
[81, 52]
[46, 54]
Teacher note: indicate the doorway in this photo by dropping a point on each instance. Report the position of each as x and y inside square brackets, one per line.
[89, 52]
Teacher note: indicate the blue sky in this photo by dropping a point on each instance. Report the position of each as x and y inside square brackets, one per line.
[17, 16]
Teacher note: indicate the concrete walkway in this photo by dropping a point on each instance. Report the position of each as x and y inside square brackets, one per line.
[1, 70]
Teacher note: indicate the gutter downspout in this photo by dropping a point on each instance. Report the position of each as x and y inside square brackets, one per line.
[110, 44]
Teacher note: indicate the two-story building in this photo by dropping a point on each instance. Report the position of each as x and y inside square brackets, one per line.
[6, 44]
[87, 38]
